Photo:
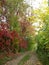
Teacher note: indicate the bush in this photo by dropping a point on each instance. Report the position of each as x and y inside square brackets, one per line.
[22, 44]
[6, 38]
[10, 40]
[43, 49]
[31, 43]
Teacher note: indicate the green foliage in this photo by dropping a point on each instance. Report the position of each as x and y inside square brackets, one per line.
[25, 58]
[31, 43]
[43, 41]
[14, 24]
[43, 46]
[5, 59]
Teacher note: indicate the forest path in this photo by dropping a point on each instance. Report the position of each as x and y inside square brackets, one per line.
[33, 60]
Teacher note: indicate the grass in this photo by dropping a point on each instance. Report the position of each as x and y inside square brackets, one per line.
[43, 58]
[24, 59]
[4, 58]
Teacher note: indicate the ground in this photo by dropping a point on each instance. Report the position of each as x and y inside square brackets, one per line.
[33, 60]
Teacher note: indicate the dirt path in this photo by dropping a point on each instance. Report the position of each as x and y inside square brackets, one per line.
[32, 61]
[17, 60]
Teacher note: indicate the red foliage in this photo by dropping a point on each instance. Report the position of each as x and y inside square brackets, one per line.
[14, 34]
[4, 26]
[23, 43]
[7, 37]
[8, 42]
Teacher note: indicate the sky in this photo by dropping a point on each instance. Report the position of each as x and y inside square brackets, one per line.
[35, 3]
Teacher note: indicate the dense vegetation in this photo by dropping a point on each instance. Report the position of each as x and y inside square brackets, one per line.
[17, 32]
[43, 39]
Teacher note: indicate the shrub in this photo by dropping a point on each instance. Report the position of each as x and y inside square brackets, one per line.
[10, 40]
[43, 49]
[6, 38]
[22, 44]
